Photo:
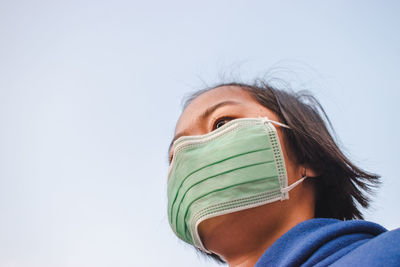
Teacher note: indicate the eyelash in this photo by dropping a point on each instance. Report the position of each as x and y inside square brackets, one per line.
[218, 120]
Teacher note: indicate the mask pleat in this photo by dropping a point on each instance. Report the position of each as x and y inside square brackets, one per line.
[214, 171]
[235, 161]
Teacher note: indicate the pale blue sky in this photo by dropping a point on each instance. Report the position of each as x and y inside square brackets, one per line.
[90, 92]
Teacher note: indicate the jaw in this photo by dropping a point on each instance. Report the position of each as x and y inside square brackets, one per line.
[242, 237]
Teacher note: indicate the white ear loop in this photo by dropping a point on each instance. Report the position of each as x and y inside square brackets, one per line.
[265, 119]
[290, 187]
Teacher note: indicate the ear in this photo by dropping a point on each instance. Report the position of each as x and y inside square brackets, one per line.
[309, 172]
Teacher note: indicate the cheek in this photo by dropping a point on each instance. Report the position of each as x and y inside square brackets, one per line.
[292, 169]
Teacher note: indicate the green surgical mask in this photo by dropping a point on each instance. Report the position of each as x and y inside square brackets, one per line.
[238, 166]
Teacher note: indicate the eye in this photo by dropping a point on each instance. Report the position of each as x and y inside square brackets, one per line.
[220, 122]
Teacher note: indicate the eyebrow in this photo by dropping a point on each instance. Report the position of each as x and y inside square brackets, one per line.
[203, 116]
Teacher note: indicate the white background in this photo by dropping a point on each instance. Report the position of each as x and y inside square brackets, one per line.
[90, 92]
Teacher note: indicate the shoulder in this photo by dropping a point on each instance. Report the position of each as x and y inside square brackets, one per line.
[322, 242]
[383, 249]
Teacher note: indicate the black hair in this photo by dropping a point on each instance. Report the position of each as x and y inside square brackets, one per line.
[341, 187]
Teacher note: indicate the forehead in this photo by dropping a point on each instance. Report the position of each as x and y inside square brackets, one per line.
[213, 97]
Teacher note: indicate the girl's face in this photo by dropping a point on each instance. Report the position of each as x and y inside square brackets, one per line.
[206, 113]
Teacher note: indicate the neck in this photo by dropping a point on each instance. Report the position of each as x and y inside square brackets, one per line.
[256, 244]
[241, 238]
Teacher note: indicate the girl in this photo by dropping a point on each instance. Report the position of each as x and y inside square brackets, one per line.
[256, 179]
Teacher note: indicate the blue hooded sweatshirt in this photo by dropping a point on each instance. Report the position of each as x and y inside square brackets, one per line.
[331, 242]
